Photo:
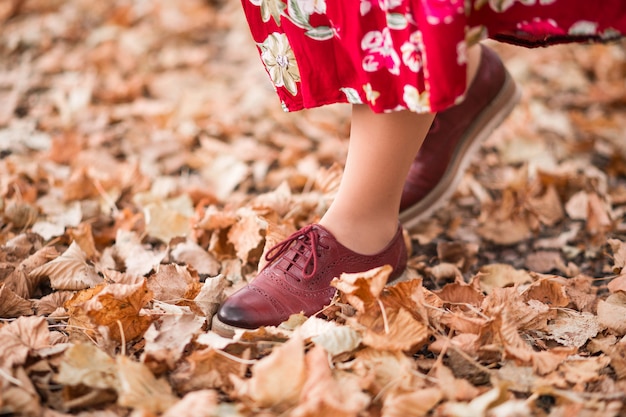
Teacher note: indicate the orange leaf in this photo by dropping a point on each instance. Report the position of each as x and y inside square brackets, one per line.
[111, 306]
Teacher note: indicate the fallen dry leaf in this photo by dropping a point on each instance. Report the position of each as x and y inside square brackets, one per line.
[12, 305]
[70, 271]
[22, 337]
[209, 369]
[338, 339]
[116, 307]
[361, 289]
[203, 403]
[140, 389]
[85, 364]
[173, 284]
[326, 394]
[277, 379]
[573, 329]
[151, 139]
[167, 337]
[478, 406]
[411, 404]
[611, 313]
[619, 254]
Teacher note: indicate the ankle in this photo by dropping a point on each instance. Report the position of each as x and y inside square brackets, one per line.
[363, 236]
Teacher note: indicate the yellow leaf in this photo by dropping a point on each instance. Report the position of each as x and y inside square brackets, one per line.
[140, 389]
[277, 379]
[85, 364]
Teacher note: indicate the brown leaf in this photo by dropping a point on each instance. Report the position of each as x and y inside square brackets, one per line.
[411, 404]
[48, 304]
[389, 328]
[215, 219]
[22, 337]
[478, 406]
[70, 271]
[528, 315]
[138, 260]
[168, 218]
[278, 200]
[202, 403]
[548, 207]
[140, 389]
[548, 291]
[208, 369]
[451, 387]
[599, 219]
[547, 361]
[247, 235]
[617, 284]
[457, 293]
[546, 261]
[85, 364]
[505, 232]
[577, 206]
[385, 371]
[363, 288]
[619, 254]
[167, 338]
[192, 254]
[22, 398]
[211, 295]
[327, 180]
[501, 333]
[20, 281]
[83, 236]
[577, 370]
[500, 276]
[277, 379]
[582, 292]
[173, 284]
[12, 305]
[612, 311]
[573, 329]
[326, 392]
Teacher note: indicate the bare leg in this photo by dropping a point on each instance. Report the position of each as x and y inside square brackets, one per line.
[364, 214]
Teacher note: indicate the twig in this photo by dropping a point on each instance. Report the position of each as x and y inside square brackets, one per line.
[384, 314]
[11, 378]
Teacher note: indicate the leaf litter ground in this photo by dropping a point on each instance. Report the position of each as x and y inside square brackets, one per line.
[145, 167]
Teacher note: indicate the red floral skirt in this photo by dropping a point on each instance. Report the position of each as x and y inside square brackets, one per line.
[405, 54]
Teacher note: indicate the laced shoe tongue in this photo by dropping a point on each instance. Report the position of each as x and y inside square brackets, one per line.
[298, 252]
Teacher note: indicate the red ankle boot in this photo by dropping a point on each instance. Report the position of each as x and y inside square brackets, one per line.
[455, 137]
[297, 279]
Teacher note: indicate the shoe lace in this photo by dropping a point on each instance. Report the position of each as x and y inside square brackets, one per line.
[303, 241]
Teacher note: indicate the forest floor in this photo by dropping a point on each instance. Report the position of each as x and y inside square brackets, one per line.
[146, 164]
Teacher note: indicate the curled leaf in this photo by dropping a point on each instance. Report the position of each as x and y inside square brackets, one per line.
[70, 271]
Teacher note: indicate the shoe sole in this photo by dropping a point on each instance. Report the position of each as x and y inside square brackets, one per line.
[223, 329]
[492, 116]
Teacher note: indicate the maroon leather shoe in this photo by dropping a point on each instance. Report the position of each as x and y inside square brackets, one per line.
[455, 137]
[297, 279]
